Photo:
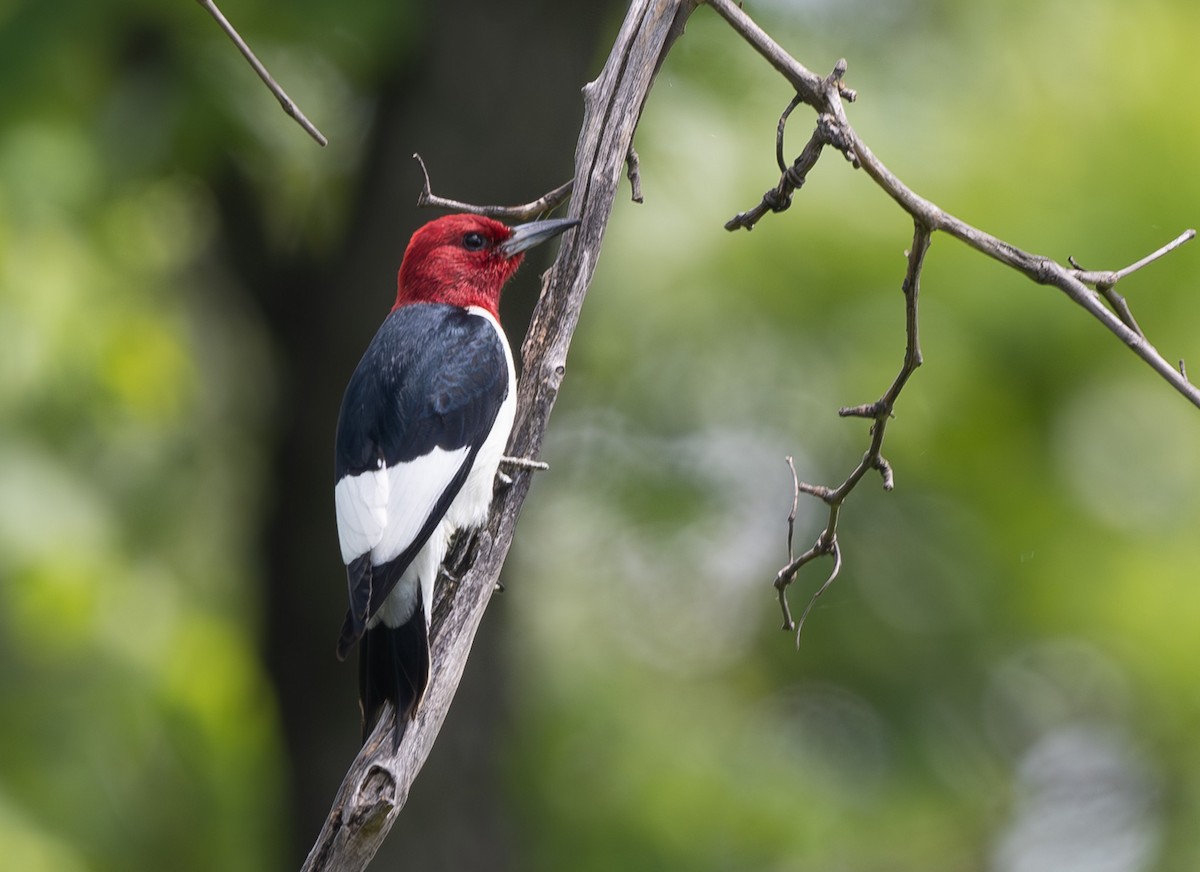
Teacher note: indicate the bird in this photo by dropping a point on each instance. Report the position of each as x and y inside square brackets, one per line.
[422, 428]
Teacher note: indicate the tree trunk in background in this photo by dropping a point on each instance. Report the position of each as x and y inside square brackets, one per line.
[493, 105]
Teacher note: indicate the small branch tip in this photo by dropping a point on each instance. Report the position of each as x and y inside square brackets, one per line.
[791, 519]
[287, 103]
[525, 463]
[633, 172]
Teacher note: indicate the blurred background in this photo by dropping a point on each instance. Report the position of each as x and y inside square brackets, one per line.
[1004, 677]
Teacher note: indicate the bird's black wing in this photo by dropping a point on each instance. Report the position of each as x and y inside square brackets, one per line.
[416, 411]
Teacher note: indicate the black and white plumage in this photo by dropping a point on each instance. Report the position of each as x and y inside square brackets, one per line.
[421, 432]
[422, 428]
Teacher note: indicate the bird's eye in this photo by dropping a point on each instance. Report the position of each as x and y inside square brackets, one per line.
[474, 241]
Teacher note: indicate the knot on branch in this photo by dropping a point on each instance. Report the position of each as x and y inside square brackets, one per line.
[1045, 270]
[377, 789]
[374, 802]
[867, 410]
[831, 132]
[780, 198]
[828, 131]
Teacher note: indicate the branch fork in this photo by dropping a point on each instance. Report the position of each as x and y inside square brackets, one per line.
[825, 96]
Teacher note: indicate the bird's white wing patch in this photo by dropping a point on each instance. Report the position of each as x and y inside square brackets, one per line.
[414, 489]
[383, 510]
[361, 503]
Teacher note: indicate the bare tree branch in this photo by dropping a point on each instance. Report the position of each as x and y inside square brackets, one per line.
[289, 105]
[1108, 279]
[525, 212]
[826, 95]
[833, 128]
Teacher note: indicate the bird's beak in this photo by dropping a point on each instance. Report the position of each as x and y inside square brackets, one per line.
[526, 236]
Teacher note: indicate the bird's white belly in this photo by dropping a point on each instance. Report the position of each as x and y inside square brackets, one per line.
[470, 507]
[468, 510]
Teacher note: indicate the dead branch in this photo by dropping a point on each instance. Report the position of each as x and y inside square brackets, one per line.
[1092, 290]
[880, 413]
[289, 105]
[525, 212]
[826, 96]
[377, 784]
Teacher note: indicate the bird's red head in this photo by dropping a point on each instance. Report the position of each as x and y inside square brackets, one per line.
[465, 260]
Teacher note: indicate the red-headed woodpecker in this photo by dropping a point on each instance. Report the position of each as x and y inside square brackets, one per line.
[420, 435]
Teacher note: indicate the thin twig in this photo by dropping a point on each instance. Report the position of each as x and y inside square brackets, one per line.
[289, 105]
[880, 413]
[779, 198]
[1110, 278]
[836, 551]
[518, 464]
[525, 212]
[1105, 282]
[526, 463]
[791, 519]
[779, 131]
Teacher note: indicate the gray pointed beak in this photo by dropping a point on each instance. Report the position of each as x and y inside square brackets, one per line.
[525, 236]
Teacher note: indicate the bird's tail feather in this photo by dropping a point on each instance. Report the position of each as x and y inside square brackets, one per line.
[393, 667]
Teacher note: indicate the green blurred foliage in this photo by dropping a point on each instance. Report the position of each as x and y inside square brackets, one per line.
[1003, 675]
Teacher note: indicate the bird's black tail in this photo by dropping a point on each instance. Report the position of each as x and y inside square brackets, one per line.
[393, 666]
